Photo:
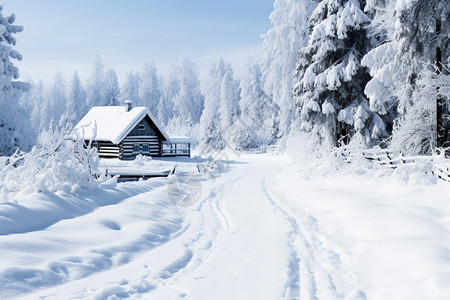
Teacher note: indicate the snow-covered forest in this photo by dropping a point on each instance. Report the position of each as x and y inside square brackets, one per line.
[345, 72]
[317, 170]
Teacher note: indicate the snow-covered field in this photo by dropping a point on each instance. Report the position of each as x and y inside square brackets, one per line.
[262, 228]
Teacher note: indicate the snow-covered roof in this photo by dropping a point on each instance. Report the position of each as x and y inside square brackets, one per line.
[180, 139]
[113, 123]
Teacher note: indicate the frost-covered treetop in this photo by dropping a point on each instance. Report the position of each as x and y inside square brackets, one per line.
[417, 24]
[10, 132]
[7, 29]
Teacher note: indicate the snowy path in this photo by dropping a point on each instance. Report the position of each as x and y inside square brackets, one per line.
[232, 245]
[260, 231]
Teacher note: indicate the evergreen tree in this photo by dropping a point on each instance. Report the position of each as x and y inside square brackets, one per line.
[331, 80]
[386, 72]
[95, 88]
[228, 105]
[58, 97]
[150, 90]
[221, 93]
[256, 125]
[13, 120]
[76, 99]
[165, 106]
[37, 101]
[130, 88]
[186, 97]
[46, 115]
[404, 69]
[422, 29]
[112, 90]
[280, 53]
[192, 101]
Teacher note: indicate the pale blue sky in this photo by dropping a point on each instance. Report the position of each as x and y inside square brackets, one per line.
[65, 35]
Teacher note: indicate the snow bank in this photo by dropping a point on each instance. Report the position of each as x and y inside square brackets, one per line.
[60, 239]
[395, 232]
[389, 223]
[37, 211]
[96, 236]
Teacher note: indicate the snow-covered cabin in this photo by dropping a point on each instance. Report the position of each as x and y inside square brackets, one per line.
[123, 132]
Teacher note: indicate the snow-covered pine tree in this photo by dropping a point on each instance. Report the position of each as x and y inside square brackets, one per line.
[169, 91]
[58, 97]
[150, 90]
[331, 80]
[37, 101]
[385, 70]
[95, 88]
[256, 125]
[186, 97]
[13, 126]
[405, 85]
[76, 99]
[112, 90]
[228, 106]
[212, 136]
[190, 91]
[130, 88]
[422, 29]
[280, 54]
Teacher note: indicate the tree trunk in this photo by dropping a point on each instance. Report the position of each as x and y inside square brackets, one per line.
[441, 132]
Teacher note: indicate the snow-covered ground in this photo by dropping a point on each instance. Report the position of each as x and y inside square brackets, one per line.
[258, 228]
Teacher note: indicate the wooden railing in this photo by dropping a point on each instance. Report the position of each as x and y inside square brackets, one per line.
[176, 152]
[391, 159]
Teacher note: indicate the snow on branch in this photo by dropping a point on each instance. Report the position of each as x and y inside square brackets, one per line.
[59, 162]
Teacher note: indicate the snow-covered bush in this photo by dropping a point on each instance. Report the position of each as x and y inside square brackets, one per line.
[59, 162]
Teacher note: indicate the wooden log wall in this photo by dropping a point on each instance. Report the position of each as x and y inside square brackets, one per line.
[108, 150]
[128, 143]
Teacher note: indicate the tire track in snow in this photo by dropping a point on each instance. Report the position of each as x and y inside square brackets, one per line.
[202, 245]
[196, 240]
[314, 267]
[208, 227]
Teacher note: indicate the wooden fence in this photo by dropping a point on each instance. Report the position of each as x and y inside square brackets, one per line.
[390, 159]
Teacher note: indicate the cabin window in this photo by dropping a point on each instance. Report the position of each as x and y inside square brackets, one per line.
[136, 148]
[141, 127]
[145, 148]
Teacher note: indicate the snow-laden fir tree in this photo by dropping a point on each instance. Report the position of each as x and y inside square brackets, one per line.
[150, 88]
[256, 125]
[186, 97]
[331, 80]
[386, 72]
[170, 87]
[221, 93]
[76, 99]
[112, 90]
[405, 84]
[57, 96]
[130, 88]
[228, 105]
[37, 101]
[422, 29]
[280, 53]
[13, 127]
[95, 88]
